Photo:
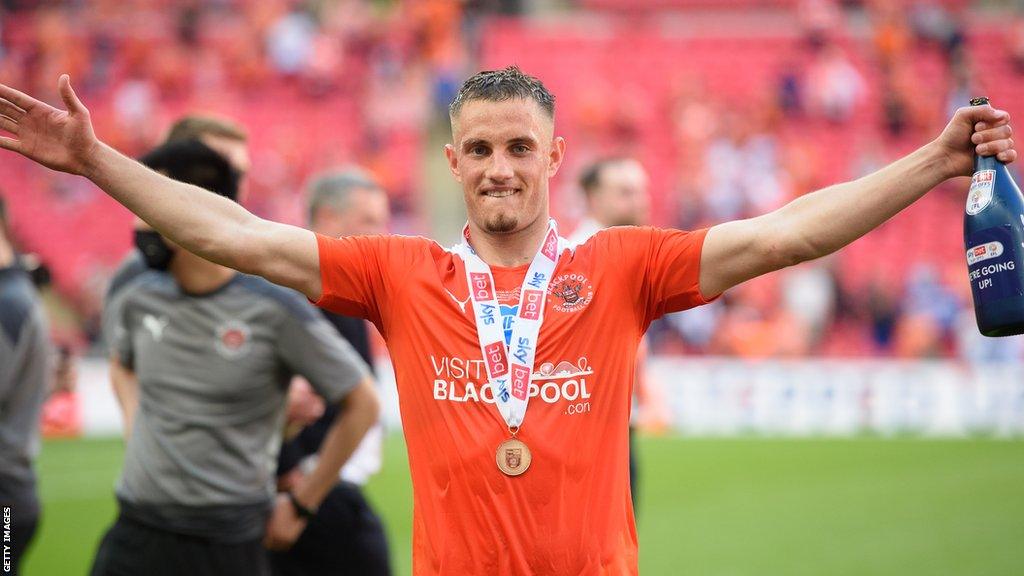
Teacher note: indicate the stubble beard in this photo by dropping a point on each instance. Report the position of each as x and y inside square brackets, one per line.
[501, 224]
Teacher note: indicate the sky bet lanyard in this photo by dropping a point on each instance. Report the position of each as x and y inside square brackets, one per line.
[509, 368]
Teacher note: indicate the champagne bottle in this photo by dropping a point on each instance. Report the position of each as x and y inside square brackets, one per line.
[994, 239]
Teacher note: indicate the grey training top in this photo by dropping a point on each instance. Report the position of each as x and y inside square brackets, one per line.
[24, 373]
[130, 268]
[213, 374]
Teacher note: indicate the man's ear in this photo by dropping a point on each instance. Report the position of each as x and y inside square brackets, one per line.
[557, 155]
[453, 161]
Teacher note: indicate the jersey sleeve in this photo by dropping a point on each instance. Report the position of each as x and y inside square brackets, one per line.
[661, 266]
[312, 348]
[359, 275]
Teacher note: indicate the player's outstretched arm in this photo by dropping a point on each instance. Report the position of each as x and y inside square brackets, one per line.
[206, 224]
[822, 222]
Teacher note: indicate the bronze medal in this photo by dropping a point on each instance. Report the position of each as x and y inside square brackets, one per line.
[513, 457]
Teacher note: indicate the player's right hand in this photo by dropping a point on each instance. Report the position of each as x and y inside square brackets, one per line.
[59, 139]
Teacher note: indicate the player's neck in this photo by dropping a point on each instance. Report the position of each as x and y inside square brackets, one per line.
[197, 276]
[509, 250]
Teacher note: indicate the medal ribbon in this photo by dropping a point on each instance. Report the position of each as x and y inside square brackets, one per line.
[510, 368]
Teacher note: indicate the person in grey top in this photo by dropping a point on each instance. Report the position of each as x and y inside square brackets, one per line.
[213, 352]
[228, 139]
[24, 371]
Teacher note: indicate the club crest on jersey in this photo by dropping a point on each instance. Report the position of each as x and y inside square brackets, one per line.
[480, 286]
[572, 292]
[234, 339]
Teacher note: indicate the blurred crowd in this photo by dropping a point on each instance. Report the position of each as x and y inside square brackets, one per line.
[853, 92]
[316, 84]
[365, 82]
[143, 61]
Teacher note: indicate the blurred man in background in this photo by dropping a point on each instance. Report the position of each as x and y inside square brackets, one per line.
[230, 141]
[24, 372]
[616, 194]
[213, 352]
[346, 536]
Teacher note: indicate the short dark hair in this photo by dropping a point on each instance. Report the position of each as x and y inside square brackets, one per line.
[590, 178]
[504, 84]
[192, 162]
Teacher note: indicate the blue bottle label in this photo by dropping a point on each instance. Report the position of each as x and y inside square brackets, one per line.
[993, 264]
[981, 193]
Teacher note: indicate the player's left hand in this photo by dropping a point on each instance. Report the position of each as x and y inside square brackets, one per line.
[284, 526]
[976, 129]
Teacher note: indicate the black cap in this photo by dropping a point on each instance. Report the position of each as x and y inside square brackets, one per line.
[192, 162]
[979, 101]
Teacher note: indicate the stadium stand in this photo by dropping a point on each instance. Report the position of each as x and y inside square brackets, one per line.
[645, 69]
[735, 107]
